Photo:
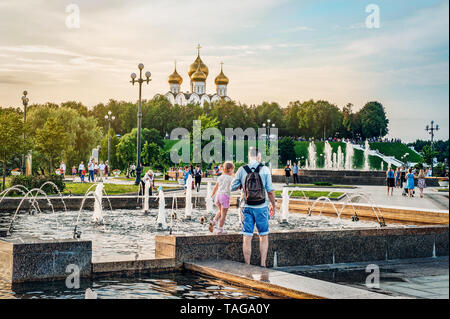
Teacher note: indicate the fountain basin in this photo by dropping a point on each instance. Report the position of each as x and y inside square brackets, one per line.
[32, 259]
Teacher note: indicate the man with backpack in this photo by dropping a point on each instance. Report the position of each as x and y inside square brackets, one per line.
[256, 181]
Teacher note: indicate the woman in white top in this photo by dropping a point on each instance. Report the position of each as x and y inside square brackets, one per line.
[223, 189]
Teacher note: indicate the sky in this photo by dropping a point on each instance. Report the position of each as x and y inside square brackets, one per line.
[273, 50]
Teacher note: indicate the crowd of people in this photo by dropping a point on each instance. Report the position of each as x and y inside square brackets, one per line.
[405, 179]
[95, 172]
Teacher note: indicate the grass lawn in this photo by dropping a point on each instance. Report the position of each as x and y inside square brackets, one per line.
[322, 186]
[312, 194]
[443, 190]
[111, 189]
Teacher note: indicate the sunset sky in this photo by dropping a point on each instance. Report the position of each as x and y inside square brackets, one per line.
[273, 50]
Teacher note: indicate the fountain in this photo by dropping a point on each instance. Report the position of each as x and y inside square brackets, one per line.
[366, 156]
[209, 200]
[335, 164]
[340, 159]
[285, 206]
[349, 152]
[97, 217]
[312, 156]
[188, 208]
[145, 206]
[161, 221]
[328, 151]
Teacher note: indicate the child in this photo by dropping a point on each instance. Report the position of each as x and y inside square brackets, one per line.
[74, 172]
[223, 189]
[83, 174]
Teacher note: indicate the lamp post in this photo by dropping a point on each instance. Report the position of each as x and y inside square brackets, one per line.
[267, 126]
[25, 101]
[431, 129]
[140, 80]
[109, 117]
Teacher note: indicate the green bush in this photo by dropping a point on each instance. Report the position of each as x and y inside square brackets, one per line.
[323, 184]
[31, 182]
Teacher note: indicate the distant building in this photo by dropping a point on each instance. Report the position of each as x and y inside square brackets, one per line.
[198, 73]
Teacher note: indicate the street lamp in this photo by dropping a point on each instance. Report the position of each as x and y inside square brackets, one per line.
[431, 129]
[109, 117]
[267, 126]
[140, 80]
[25, 101]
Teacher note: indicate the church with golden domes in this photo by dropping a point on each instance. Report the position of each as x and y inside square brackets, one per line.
[198, 73]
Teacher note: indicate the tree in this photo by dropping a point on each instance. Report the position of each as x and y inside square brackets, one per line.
[374, 122]
[51, 140]
[428, 154]
[287, 150]
[319, 119]
[150, 153]
[126, 150]
[11, 137]
[291, 120]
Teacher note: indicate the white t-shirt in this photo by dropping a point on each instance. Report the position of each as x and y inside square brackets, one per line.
[102, 167]
[81, 167]
[224, 182]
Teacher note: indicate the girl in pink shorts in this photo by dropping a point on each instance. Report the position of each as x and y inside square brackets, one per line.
[223, 190]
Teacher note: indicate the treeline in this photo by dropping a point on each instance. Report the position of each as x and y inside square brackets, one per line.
[309, 119]
[69, 131]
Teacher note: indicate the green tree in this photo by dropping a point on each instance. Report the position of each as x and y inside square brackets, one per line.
[428, 154]
[104, 150]
[11, 137]
[374, 122]
[319, 119]
[150, 153]
[51, 141]
[286, 150]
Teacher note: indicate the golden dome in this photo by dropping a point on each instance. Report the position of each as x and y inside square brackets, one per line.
[175, 78]
[221, 79]
[197, 62]
[198, 75]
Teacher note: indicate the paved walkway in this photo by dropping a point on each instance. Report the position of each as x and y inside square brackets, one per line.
[279, 282]
[418, 278]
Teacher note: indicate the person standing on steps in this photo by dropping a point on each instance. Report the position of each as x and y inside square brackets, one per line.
[256, 181]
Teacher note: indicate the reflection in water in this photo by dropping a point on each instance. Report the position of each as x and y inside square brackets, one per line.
[176, 285]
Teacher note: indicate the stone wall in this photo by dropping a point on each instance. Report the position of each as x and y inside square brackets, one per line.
[40, 260]
[312, 247]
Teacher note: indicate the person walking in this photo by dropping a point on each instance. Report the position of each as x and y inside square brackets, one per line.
[295, 173]
[287, 172]
[256, 181]
[101, 168]
[402, 176]
[62, 169]
[410, 183]
[198, 177]
[91, 171]
[390, 181]
[81, 168]
[397, 177]
[421, 184]
[107, 171]
[223, 190]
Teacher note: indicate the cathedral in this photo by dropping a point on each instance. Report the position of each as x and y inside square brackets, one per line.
[198, 73]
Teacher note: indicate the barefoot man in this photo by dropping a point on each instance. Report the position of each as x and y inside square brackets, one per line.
[256, 182]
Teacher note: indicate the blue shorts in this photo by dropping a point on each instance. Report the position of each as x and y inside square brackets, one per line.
[258, 216]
